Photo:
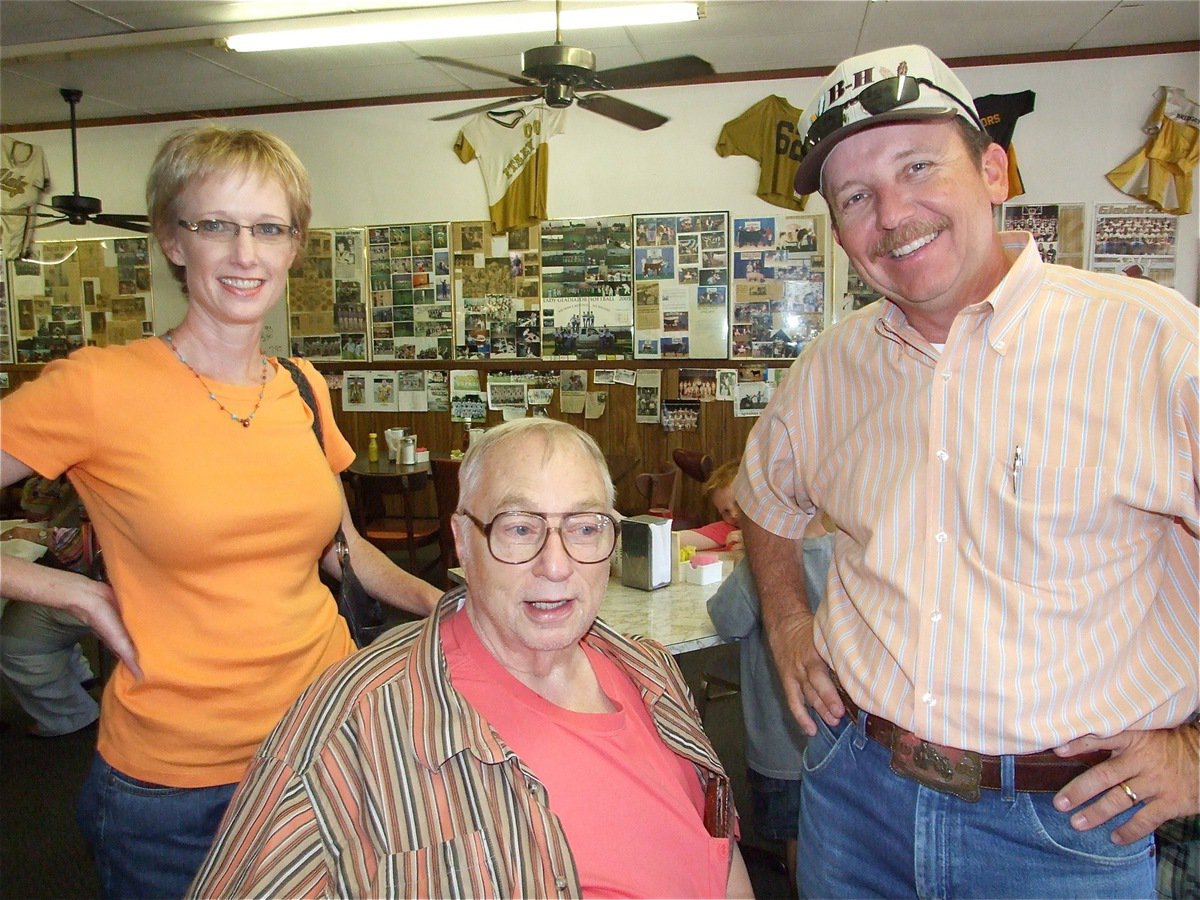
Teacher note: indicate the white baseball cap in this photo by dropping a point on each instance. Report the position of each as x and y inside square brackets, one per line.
[896, 84]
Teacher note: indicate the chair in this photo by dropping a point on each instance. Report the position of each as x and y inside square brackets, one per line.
[445, 486]
[694, 464]
[404, 532]
[660, 491]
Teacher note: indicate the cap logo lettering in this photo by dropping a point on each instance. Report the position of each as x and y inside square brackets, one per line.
[863, 78]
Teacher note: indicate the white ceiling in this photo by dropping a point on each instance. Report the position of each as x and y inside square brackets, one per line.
[155, 57]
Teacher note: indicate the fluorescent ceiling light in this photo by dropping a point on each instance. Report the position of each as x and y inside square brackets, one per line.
[449, 25]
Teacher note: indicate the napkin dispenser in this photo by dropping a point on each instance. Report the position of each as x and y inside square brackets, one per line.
[646, 552]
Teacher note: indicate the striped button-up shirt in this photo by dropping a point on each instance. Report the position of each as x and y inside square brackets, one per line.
[383, 782]
[1016, 558]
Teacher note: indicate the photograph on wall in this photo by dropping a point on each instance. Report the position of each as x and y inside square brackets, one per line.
[698, 384]
[587, 288]
[70, 294]
[680, 415]
[752, 392]
[327, 297]
[681, 281]
[497, 291]
[648, 393]
[1134, 239]
[411, 307]
[1058, 229]
[502, 394]
[779, 284]
[467, 399]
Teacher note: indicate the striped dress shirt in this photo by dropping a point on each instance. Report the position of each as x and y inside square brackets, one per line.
[381, 781]
[1017, 513]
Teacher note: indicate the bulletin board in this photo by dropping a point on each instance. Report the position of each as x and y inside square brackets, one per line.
[70, 294]
[587, 288]
[411, 307]
[327, 296]
[780, 295]
[680, 285]
[497, 291]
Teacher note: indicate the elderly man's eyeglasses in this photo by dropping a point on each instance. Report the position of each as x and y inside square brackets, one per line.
[882, 96]
[517, 537]
[225, 232]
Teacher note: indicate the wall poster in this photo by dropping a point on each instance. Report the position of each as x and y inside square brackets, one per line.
[1134, 239]
[327, 311]
[69, 294]
[779, 285]
[1058, 229]
[411, 309]
[681, 284]
[497, 290]
[587, 288]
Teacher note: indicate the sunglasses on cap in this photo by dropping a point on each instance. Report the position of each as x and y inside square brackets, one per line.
[880, 97]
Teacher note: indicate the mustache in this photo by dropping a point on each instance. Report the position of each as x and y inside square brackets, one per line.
[908, 233]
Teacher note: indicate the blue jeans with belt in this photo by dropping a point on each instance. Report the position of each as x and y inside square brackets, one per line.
[148, 840]
[867, 832]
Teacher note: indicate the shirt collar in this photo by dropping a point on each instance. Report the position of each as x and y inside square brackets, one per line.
[1008, 302]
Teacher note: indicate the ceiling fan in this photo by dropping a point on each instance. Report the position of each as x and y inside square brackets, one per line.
[77, 208]
[559, 72]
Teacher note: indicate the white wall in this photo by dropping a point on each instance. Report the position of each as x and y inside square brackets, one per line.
[391, 164]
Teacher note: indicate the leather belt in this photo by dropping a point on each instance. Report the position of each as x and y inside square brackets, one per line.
[1042, 772]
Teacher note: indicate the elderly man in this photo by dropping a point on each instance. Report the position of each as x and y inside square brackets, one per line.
[1009, 451]
[509, 746]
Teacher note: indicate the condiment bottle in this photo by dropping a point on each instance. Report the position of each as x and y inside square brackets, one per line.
[372, 447]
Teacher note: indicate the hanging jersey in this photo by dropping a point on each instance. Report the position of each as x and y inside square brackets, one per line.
[23, 175]
[514, 158]
[1161, 172]
[999, 114]
[766, 132]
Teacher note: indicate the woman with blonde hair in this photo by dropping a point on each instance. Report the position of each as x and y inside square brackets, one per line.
[196, 459]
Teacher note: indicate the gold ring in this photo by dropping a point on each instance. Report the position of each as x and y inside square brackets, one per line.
[1133, 798]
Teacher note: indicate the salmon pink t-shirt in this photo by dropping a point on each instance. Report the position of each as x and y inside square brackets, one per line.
[631, 809]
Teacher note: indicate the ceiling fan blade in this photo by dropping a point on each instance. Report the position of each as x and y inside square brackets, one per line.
[495, 73]
[679, 68]
[626, 113]
[130, 223]
[495, 104]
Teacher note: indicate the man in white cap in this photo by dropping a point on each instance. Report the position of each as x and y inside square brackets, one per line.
[1001, 680]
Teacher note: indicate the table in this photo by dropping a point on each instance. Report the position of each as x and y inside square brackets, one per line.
[372, 480]
[676, 615]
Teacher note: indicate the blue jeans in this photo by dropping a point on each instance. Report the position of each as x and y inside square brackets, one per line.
[148, 840]
[867, 832]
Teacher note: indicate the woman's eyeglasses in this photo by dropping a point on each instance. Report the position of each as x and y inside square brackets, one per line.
[225, 232]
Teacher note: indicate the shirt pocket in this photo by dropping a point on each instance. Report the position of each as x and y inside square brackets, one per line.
[1055, 525]
[461, 867]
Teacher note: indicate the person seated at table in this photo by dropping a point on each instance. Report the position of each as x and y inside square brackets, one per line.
[725, 533]
[43, 664]
[510, 745]
[774, 742]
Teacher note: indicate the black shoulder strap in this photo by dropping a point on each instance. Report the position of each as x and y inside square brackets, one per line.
[304, 386]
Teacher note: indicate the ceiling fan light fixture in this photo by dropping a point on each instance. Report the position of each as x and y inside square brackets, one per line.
[457, 24]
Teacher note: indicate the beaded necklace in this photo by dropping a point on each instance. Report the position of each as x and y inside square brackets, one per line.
[245, 420]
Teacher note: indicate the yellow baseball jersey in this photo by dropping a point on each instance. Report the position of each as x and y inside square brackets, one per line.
[1161, 172]
[514, 159]
[766, 132]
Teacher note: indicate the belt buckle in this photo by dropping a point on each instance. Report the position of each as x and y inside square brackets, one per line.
[944, 769]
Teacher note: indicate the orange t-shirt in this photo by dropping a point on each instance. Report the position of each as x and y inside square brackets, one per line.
[211, 533]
